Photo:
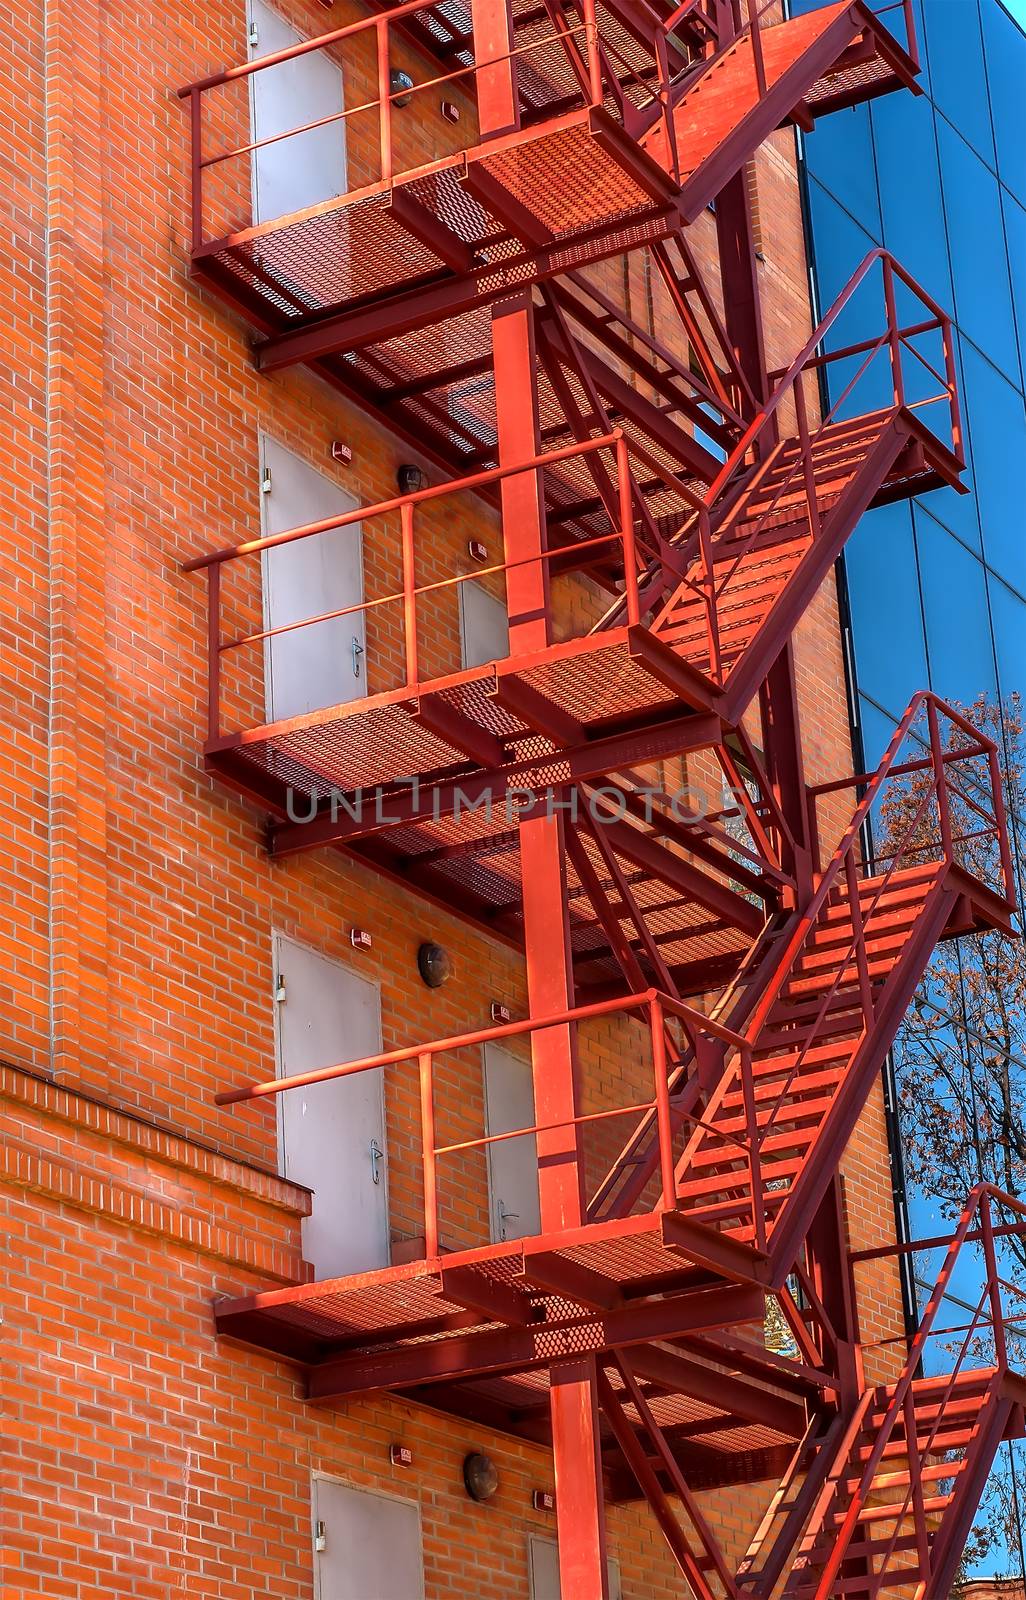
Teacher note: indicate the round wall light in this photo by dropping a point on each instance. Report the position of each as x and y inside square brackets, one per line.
[401, 85]
[434, 963]
[410, 478]
[480, 1476]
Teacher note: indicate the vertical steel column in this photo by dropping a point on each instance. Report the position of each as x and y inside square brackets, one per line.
[827, 1253]
[785, 767]
[580, 1507]
[742, 313]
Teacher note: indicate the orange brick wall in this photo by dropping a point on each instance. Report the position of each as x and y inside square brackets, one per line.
[142, 1458]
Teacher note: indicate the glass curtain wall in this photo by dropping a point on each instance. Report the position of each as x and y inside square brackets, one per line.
[937, 588]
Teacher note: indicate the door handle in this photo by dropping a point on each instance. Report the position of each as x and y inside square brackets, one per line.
[504, 1217]
[377, 1155]
[358, 651]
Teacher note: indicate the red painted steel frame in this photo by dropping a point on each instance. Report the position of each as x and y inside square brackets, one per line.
[764, 1094]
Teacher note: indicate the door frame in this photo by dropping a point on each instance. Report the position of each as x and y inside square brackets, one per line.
[277, 936]
[319, 1476]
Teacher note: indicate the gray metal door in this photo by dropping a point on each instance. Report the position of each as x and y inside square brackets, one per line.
[309, 167]
[332, 1135]
[512, 1163]
[323, 664]
[368, 1546]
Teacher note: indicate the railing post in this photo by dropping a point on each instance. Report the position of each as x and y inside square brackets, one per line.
[214, 651]
[915, 1472]
[712, 620]
[409, 593]
[893, 331]
[993, 1284]
[911, 39]
[940, 779]
[384, 99]
[427, 1124]
[196, 123]
[669, 126]
[754, 1148]
[951, 375]
[662, 1097]
[758, 58]
[630, 559]
[859, 936]
[805, 445]
[1001, 823]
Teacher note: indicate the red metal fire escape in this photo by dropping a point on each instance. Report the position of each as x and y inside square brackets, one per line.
[694, 502]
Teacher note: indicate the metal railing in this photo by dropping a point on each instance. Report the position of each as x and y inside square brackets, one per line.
[498, 84]
[757, 476]
[662, 1014]
[981, 1345]
[624, 544]
[927, 833]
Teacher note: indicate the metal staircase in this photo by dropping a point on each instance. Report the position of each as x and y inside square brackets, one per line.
[713, 987]
[905, 1477]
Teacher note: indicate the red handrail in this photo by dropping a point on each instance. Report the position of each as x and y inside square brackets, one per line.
[844, 870]
[588, 56]
[713, 514]
[407, 596]
[978, 1211]
[654, 1004]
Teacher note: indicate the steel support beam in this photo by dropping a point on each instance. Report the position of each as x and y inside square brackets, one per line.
[476, 1354]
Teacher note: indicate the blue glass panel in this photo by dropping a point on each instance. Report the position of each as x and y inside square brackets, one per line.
[954, 46]
[1005, 49]
[910, 191]
[1015, 233]
[840, 243]
[1009, 613]
[959, 643]
[883, 591]
[840, 153]
[977, 242]
[840, 246]
[877, 729]
[957, 511]
[997, 432]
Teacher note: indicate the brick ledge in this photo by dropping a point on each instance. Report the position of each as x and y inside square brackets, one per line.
[51, 1099]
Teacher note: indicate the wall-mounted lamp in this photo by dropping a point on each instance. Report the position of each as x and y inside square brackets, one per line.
[410, 478]
[434, 963]
[480, 1476]
[400, 84]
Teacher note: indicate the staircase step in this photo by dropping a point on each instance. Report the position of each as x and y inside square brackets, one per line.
[901, 1480]
[790, 1137]
[805, 1084]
